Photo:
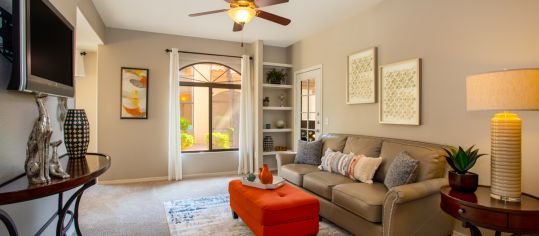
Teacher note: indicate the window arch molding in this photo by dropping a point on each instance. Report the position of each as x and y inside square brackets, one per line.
[209, 83]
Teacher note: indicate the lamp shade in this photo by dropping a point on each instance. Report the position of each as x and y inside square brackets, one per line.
[503, 90]
[241, 15]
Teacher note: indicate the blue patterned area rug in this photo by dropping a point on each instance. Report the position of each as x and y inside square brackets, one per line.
[212, 216]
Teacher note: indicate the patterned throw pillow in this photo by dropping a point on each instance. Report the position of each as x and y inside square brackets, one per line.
[401, 171]
[336, 162]
[309, 152]
[364, 168]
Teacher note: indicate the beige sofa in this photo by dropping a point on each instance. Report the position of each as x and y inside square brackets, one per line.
[372, 209]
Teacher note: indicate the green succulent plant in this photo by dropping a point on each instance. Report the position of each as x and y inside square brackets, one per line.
[461, 161]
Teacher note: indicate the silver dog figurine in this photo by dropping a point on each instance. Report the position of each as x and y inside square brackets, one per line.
[37, 151]
[55, 167]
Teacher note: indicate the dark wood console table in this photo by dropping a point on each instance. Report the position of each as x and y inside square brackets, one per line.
[479, 209]
[83, 173]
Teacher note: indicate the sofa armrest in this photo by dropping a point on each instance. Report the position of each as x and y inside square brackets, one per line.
[410, 192]
[414, 209]
[284, 158]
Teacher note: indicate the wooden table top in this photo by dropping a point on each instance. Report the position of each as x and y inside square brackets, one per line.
[80, 173]
[481, 199]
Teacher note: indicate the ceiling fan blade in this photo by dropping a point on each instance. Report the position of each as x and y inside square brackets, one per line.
[265, 3]
[272, 17]
[237, 27]
[207, 12]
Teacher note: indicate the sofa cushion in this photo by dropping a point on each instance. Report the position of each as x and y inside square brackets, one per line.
[365, 200]
[333, 142]
[336, 162]
[363, 145]
[294, 172]
[364, 168]
[403, 170]
[431, 161]
[322, 182]
[309, 152]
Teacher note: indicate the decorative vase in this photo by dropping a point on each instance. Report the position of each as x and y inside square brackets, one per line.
[268, 144]
[76, 133]
[465, 183]
[265, 175]
[265, 102]
[280, 124]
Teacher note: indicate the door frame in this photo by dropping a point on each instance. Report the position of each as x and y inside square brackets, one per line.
[297, 99]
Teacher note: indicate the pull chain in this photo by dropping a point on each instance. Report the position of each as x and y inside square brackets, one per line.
[243, 28]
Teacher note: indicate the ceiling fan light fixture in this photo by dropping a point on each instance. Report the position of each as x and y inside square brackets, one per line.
[241, 15]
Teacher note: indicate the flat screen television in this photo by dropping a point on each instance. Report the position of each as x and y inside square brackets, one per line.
[43, 42]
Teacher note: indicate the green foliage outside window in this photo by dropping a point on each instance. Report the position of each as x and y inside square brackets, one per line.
[187, 139]
[185, 124]
[220, 140]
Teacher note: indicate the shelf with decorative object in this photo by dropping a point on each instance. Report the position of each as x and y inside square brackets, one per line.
[278, 86]
[275, 120]
[277, 108]
[276, 130]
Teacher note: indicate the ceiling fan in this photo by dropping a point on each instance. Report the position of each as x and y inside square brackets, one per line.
[242, 11]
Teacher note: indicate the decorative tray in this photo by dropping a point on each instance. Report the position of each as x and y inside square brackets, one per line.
[277, 182]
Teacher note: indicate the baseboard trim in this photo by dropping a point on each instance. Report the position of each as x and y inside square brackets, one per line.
[128, 181]
[216, 174]
[161, 178]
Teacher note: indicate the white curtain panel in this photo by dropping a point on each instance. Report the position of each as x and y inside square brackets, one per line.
[246, 150]
[174, 139]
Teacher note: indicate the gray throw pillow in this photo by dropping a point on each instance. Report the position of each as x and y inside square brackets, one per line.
[401, 171]
[309, 152]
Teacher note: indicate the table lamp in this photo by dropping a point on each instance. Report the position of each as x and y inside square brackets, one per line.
[504, 91]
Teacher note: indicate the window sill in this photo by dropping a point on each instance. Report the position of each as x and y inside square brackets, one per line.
[210, 151]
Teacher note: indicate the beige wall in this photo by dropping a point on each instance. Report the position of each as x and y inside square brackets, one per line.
[454, 39]
[68, 8]
[16, 120]
[138, 148]
[86, 96]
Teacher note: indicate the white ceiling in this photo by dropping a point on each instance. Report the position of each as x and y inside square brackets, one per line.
[170, 17]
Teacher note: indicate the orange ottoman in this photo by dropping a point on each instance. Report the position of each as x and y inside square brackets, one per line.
[283, 211]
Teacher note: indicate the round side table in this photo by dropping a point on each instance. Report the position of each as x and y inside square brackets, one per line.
[82, 174]
[479, 209]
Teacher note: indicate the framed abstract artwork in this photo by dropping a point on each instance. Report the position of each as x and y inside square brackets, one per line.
[134, 90]
[400, 93]
[361, 80]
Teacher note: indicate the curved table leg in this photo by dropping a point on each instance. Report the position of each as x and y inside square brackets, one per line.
[8, 222]
[60, 228]
[76, 216]
[474, 231]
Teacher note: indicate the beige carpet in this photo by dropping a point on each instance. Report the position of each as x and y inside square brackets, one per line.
[137, 209]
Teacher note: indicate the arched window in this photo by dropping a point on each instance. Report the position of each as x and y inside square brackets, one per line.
[209, 104]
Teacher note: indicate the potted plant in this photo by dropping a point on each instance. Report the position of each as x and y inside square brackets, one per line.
[276, 77]
[460, 179]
